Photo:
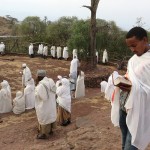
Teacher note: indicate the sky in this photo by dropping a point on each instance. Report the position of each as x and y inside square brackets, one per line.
[123, 12]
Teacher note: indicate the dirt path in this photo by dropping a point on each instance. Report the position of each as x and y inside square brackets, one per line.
[91, 128]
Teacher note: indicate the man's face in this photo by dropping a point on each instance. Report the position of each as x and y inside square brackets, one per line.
[137, 46]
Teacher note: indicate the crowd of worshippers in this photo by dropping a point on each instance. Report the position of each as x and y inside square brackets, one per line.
[59, 52]
[52, 101]
[55, 52]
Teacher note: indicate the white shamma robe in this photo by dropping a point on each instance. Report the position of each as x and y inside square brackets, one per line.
[63, 93]
[80, 86]
[5, 99]
[65, 52]
[138, 103]
[45, 102]
[29, 94]
[105, 56]
[26, 76]
[19, 103]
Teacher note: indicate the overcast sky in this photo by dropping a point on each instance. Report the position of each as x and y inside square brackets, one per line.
[123, 12]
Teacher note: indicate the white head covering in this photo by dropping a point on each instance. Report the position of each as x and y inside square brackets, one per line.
[18, 94]
[24, 65]
[4, 84]
[59, 77]
[65, 82]
[115, 75]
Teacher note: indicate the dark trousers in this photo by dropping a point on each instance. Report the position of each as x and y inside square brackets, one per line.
[126, 136]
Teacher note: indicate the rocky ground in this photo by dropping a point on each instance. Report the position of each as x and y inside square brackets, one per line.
[91, 128]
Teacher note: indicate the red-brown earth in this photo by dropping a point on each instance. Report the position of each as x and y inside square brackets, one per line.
[91, 128]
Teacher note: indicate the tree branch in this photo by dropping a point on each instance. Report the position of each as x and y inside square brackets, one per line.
[89, 7]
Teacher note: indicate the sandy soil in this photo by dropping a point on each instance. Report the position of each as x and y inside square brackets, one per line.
[91, 128]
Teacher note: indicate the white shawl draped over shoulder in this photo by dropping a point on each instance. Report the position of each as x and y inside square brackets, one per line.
[45, 102]
[63, 93]
[138, 103]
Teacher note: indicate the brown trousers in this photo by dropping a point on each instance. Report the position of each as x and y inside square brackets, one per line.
[63, 115]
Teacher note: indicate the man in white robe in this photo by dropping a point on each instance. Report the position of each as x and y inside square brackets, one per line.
[105, 56]
[45, 104]
[31, 53]
[26, 75]
[64, 103]
[5, 98]
[80, 86]
[29, 94]
[137, 118]
[19, 103]
[65, 53]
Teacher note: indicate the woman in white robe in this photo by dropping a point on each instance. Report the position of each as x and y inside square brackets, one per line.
[45, 104]
[19, 103]
[29, 94]
[80, 86]
[53, 51]
[105, 56]
[64, 103]
[103, 85]
[45, 52]
[31, 53]
[58, 52]
[65, 53]
[110, 86]
[5, 99]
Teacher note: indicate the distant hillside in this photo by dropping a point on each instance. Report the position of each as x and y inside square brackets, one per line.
[5, 26]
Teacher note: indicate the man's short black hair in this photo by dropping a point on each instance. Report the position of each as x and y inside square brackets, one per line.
[138, 32]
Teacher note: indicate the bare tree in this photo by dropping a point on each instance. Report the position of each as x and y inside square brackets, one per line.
[93, 30]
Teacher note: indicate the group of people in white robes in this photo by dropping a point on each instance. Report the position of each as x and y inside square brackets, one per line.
[108, 87]
[2, 48]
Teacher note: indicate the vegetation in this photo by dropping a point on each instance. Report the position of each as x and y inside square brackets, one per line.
[66, 31]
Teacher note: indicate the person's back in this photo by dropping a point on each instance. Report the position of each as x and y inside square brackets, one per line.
[19, 103]
[45, 104]
[80, 86]
[5, 99]
[29, 94]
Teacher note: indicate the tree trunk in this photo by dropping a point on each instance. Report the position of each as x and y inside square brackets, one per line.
[91, 62]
